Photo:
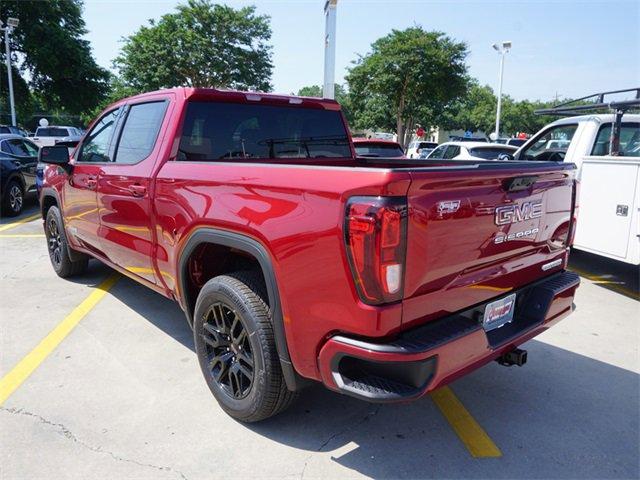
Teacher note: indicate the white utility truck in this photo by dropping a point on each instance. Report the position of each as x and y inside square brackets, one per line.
[606, 150]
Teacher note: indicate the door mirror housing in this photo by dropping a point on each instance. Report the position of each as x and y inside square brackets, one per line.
[55, 155]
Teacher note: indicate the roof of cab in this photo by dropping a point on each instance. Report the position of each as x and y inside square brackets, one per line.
[239, 96]
[598, 118]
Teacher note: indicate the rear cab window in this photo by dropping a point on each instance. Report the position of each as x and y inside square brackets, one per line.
[51, 132]
[376, 149]
[217, 131]
[629, 140]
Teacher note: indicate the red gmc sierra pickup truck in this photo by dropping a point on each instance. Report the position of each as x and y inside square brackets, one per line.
[295, 260]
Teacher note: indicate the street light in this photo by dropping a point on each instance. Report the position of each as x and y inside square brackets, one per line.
[502, 48]
[328, 90]
[11, 24]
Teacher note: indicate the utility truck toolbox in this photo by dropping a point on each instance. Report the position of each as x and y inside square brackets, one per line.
[296, 261]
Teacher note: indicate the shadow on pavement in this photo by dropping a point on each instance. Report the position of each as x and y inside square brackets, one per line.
[563, 415]
[613, 275]
[31, 207]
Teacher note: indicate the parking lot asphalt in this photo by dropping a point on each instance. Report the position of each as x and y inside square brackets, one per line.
[121, 396]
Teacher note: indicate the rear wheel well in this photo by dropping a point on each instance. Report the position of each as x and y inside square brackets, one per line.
[208, 260]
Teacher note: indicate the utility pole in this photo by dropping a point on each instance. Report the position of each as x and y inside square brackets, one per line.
[11, 24]
[328, 89]
[502, 48]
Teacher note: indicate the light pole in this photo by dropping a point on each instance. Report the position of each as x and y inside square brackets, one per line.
[11, 24]
[502, 48]
[328, 90]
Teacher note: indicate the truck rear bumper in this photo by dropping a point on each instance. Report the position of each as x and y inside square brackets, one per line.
[434, 354]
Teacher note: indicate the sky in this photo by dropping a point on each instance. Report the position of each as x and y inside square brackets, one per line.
[564, 49]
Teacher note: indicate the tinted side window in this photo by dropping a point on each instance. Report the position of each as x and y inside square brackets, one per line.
[140, 132]
[452, 151]
[629, 140]
[5, 147]
[22, 148]
[96, 145]
[222, 131]
[551, 145]
[438, 152]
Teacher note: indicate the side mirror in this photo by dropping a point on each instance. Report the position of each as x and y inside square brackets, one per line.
[55, 155]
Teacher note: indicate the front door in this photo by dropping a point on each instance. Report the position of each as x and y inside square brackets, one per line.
[124, 196]
[80, 201]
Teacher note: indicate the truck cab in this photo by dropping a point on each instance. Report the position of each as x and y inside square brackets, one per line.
[609, 197]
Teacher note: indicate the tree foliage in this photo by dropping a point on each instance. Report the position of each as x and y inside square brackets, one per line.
[200, 45]
[477, 111]
[54, 59]
[410, 77]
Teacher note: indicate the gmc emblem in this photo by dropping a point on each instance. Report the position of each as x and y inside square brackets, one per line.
[518, 213]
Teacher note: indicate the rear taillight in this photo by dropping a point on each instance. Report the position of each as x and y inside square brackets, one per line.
[376, 237]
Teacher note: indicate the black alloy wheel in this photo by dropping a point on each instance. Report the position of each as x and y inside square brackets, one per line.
[16, 198]
[228, 350]
[54, 242]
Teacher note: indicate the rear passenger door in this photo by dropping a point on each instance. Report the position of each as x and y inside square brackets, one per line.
[124, 188]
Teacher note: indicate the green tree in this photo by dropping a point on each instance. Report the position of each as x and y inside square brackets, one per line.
[476, 110]
[200, 45]
[54, 60]
[410, 77]
[342, 97]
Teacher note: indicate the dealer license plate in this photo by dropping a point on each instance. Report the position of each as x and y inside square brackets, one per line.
[499, 313]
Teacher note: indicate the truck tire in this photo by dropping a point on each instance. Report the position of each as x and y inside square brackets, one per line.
[236, 348]
[58, 247]
[12, 199]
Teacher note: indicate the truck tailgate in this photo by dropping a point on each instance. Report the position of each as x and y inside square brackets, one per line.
[478, 232]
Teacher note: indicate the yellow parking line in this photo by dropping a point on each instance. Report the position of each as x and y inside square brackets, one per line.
[7, 226]
[468, 430]
[603, 280]
[22, 235]
[12, 380]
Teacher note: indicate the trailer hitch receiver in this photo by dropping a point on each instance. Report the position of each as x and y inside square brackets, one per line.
[514, 357]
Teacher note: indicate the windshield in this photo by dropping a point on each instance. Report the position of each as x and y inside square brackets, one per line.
[51, 132]
[374, 149]
[490, 153]
[218, 131]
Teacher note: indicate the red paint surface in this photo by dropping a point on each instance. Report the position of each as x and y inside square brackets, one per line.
[297, 213]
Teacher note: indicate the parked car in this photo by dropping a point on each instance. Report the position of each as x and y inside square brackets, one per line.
[457, 138]
[515, 142]
[610, 184]
[296, 261]
[18, 158]
[374, 147]
[472, 151]
[54, 135]
[10, 129]
[416, 147]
